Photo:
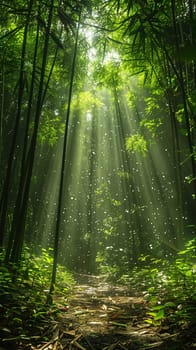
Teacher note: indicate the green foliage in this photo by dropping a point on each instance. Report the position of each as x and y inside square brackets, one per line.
[40, 270]
[108, 74]
[85, 101]
[23, 291]
[50, 129]
[151, 120]
[169, 287]
[151, 125]
[136, 144]
[109, 270]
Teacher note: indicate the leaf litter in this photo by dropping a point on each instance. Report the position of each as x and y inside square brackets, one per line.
[107, 317]
[102, 316]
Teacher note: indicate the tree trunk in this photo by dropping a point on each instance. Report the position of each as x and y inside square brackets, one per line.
[19, 228]
[184, 96]
[7, 183]
[62, 175]
[24, 164]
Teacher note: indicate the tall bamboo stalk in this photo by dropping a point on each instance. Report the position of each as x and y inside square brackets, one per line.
[62, 174]
[19, 228]
[184, 96]
[7, 183]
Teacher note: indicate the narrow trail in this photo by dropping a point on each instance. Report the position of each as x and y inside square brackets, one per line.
[102, 316]
[102, 308]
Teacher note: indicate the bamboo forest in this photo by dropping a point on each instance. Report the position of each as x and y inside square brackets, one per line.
[97, 174]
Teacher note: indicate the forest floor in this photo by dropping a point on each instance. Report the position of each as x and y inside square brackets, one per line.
[102, 316]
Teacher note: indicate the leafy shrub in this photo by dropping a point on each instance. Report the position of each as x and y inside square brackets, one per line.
[39, 270]
[168, 286]
[23, 291]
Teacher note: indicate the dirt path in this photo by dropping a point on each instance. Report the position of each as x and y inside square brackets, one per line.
[102, 316]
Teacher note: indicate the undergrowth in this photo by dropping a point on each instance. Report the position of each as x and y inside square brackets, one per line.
[23, 293]
[169, 287]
